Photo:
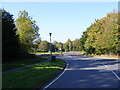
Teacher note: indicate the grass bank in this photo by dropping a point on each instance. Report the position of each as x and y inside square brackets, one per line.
[48, 53]
[107, 56]
[19, 63]
[35, 76]
[104, 56]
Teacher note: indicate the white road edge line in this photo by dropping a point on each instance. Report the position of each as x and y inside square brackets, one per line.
[57, 77]
[112, 71]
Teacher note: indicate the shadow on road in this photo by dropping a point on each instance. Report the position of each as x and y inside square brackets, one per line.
[88, 74]
[89, 79]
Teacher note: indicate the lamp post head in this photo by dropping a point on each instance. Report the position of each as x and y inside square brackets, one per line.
[50, 34]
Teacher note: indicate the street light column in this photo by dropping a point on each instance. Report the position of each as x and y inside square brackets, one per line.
[50, 44]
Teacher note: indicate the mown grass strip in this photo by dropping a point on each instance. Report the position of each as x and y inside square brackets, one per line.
[20, 63]
[34, 76]
[48, 53]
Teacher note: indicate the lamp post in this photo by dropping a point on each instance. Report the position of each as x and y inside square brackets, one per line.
[50, 44]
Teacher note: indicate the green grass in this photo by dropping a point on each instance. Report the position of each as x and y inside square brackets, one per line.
[48, 53]
[20, 63]
[34, 76]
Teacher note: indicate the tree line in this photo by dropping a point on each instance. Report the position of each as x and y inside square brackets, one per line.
[17, 35]
[102, 36]
[44, 46]
[20, 37]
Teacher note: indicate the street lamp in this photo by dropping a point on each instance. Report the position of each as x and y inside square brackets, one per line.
[50, 44]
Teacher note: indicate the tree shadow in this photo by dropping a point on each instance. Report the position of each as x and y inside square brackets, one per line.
[74, 78]
[88, 74]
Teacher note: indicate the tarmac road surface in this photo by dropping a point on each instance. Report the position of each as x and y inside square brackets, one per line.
[87, 72]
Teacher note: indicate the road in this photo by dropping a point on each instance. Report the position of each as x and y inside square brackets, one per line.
[87, 72]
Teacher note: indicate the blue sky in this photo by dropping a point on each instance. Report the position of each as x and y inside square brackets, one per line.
[63, 19]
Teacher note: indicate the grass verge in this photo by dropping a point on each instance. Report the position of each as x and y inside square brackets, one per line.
[48, 53]
[104, 56]
[19, 63]
[35, 76]
[107, 56]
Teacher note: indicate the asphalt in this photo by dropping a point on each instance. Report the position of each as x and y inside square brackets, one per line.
[87, 72]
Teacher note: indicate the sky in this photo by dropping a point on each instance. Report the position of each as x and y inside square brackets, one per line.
[65, 20]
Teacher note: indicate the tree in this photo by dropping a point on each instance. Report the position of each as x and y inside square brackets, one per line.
[44, 46]
[55, 42]
[102, 36]
[66, 46]
[54, 46]
[76, 44]
[10, 45]
[69, 44]
[27, 31]
[59, 46]
[83, 40]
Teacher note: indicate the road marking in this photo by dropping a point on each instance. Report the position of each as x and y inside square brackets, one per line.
[112, 71]
[66, 69]
[57, 77]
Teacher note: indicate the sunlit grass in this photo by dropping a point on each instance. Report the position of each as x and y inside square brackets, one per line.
[48, 53]
[20, 63]
[47, 67]
[36, 75]
[107, 56]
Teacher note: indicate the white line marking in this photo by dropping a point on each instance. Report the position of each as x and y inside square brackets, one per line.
[112, 71]
[108, 68]
[57, 77]
[66, 69]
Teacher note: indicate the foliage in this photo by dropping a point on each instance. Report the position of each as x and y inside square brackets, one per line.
[76, 44]
[59, 46]
[10, 45]
[83, 40]
[102, 36]
[54, 46]
[44, 46]
[68, 45]
[27, 31]
[72, 45]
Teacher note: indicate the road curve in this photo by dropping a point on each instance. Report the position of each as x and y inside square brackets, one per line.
[87, 72]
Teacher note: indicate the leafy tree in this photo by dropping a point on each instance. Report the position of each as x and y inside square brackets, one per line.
[38, 41]
[55, 42]
[10, 45]
[59, 46]
[54, 46]
[44, 46]
[107, 37]
[66, 46]
[69, 44]
[102, 36]
[83, 40]
[27, 31]
[76, 44]
[36, 45]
